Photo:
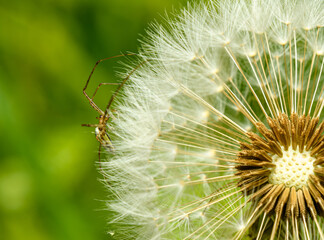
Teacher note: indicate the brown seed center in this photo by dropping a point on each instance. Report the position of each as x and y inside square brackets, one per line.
[281, 168]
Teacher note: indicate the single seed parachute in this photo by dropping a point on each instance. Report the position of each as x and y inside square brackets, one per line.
[219, 135]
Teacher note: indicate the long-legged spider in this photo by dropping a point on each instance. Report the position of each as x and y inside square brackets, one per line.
[101, 127]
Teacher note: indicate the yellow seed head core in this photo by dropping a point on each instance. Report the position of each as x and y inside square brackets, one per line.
[292, 169]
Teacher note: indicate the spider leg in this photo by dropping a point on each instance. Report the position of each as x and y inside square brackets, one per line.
[89, 125]
[122, 84]
[88, 80]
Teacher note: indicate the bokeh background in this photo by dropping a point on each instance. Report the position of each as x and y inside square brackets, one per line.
[49, 186]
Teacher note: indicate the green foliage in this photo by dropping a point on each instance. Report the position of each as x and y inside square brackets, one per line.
[48, 179]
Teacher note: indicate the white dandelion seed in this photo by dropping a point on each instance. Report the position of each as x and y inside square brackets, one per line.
[220, 134]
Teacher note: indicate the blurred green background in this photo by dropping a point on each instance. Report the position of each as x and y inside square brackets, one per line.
[49, 186]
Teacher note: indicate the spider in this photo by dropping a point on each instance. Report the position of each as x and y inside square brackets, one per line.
[101, 127]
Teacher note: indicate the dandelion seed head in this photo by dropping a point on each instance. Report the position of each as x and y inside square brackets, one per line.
[219, 134]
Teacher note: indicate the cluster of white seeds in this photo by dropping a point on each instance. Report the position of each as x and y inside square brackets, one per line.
[292, 169]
